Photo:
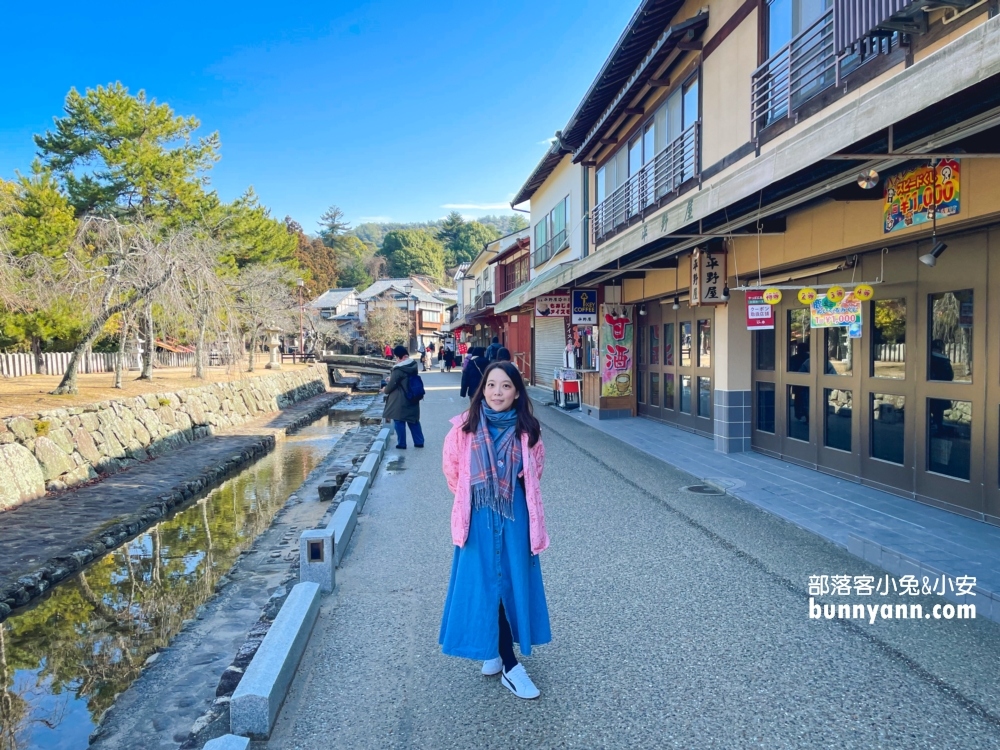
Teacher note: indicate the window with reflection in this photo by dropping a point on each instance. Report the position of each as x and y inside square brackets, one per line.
[888, 427]
[668, 344]
[839, 352]
[668, 390]
[949, 437]
[704, 343]
[889, 338]
[704, 397]
[654, 389]
[686, 394]
[686, 344]
[798, 412]
[949, 336]
[839, 411]
[799, 336]
[654, 345]
[765, 349]
[765, 407]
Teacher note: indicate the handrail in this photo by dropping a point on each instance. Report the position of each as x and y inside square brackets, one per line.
[550, 248]
[663, 175]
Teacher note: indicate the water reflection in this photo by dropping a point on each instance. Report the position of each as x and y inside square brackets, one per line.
[63, 661]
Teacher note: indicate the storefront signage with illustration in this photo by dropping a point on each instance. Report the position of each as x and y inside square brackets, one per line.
[585, 306]
[552, 306]
[708, 277]
[824, 313]
[760, 315]
[617, 336]
[913, 195]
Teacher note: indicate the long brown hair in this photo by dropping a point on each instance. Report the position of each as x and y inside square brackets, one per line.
[526, 422]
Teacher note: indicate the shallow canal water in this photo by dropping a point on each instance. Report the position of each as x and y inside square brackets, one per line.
[63, 661]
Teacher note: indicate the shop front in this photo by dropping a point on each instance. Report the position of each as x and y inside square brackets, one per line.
[905, 401]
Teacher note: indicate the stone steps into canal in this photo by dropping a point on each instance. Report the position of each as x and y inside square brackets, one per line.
[48, 539]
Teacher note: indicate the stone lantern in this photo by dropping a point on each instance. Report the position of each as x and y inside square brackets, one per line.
[274, 346]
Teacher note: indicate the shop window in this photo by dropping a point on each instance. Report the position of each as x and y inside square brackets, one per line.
[798, 412]
[765, 407]
[668, 344]
[889, 338]
[640, 378]
[704, 397]
[704, 343]
[765, 349]
[837, 428]
[949, 437]
[686, 392]
[888, 427]
[949, 336]
[839, 352]
[640, 347]
[686, 344]
[668, 390]
[799, 336]
[654, 389]
[654, 345]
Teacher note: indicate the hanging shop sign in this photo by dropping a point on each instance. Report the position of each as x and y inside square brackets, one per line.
[824, 313]
[912, 196]
[760, 315]
[552, 306]
[864, 292]
[835, 293]
[806, 296]
[771, 295]
[616, 343]
[708, 277]
[585, 306]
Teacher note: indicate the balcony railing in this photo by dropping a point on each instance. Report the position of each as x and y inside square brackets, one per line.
[550, 248]
[484, 300]
[794, 74]
[662, 176]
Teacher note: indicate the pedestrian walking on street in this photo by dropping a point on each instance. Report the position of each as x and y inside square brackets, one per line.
[492, 349]
[473, 370]
[503, 355]
[493, 459]
[388, 352]
[449, 358]
[402, 404]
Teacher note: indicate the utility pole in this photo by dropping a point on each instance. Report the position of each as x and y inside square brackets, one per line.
[302, 338]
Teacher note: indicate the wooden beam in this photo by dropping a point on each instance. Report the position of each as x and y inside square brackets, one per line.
[658, 82]
[634, 111]
[608, 141]
[689, 45]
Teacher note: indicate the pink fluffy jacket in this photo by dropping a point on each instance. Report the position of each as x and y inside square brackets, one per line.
[455, 461]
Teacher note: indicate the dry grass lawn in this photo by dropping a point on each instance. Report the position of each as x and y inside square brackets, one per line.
[30, 395]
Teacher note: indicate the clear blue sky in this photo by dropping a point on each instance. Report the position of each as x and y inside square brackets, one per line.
[389, 109]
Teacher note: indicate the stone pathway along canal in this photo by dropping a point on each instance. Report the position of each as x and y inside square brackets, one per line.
[64, 660]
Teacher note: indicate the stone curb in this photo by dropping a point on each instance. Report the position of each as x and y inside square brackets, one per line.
[259, 696]
[25, 588]
[317, 563]
[228, 742]
[358, 491]
[345, 518]
[987, 602]
[370, 465]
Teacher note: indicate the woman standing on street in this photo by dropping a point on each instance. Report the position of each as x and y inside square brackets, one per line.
[473, 371]
[493, 460]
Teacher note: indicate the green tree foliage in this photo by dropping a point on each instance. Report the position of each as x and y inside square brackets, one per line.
[314, 257]
[252, 235]
[450, 227]
[332, 225]
[470, 239]
[117, 153]
[413, 252]
[353, 257]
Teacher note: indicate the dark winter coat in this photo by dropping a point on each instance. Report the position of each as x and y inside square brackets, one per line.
[472, 375]
[397, 406]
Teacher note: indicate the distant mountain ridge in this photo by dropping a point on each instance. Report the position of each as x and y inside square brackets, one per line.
[374, 232]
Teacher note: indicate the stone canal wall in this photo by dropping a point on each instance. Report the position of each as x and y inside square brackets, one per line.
[56, 449]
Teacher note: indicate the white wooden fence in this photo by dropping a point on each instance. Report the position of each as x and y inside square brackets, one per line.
[21, 365]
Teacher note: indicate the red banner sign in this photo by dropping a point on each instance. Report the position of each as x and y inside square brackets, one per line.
[760, 315]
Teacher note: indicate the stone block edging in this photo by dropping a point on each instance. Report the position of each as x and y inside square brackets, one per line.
[987, 602]
[321, 571]
[228, 742]
[258, 698]
[345, 518]
[370, 465]
[358, 491]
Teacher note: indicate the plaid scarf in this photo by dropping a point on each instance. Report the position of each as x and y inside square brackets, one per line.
[492, 468]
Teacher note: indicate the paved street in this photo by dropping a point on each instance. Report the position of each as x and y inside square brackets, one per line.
[679, 620]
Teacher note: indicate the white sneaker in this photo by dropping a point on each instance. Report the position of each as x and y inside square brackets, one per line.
[492, 666]
[518, 682]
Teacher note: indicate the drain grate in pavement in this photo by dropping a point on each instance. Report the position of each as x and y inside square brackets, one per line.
[704, 489]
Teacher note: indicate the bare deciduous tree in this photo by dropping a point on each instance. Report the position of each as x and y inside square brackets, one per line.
[385, 324]
[263, 297]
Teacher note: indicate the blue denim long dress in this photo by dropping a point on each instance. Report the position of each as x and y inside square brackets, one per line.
[495, 565]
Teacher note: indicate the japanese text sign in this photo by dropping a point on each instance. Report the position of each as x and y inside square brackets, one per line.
[760, 315]
[914, 195]
[826, 314]
[585, 306]
[708, 277]
[616, 344]
[552, 306]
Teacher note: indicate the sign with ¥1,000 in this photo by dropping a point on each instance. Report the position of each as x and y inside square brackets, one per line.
[826, 314]
[760, 315]
[584, 306]
[552, 306]
[914, 196]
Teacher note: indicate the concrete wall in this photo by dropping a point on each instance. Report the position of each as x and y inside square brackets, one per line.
[60, 448]
[566, 179]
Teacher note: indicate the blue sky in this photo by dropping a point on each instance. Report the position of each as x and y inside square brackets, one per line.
[389, 109]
